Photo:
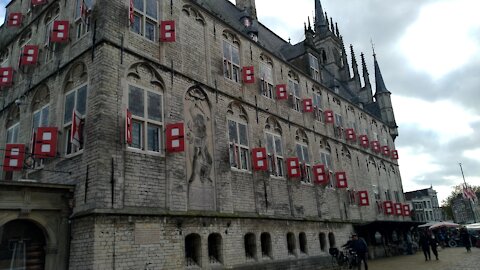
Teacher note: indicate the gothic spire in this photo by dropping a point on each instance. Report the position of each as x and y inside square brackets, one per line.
[380, 84]
[366, 77]
[321, 22]
[354, 63]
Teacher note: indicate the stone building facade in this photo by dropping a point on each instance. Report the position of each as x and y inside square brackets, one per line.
[424, 205]
[131, 202]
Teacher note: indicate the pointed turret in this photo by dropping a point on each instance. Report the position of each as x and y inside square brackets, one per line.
[379, 83]
[321, 23]
[309, 34]
[365, 95]
[356, 74]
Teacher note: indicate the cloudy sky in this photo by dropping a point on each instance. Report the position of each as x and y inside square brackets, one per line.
[429, 53]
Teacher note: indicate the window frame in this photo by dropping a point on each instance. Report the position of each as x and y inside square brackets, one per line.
[145, 121]
[49, 47]
[317, 107]
[308, 171]
[146, 19]
[228, 65]
[15, 128]
[314, 67]
[4, 57]
[40, 111]
[82, 26]
[266, 81]
[245, 149]
[66, 126]
[279, 159]
[326, 160]
[295, 92]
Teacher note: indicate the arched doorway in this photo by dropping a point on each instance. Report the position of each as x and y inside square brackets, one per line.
[22, 246]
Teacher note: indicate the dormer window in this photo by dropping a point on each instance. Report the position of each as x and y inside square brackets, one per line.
[314, 67]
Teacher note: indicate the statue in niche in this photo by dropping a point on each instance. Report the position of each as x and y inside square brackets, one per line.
[199, 151]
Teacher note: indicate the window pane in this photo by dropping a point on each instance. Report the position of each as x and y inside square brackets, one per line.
[305, 154]
[136, 135]
[82, 100]
[243, 134]
[278, 146]
[150, 30]
[138, 4]
[36, 119]
[9, 135]
[299, 152]
[69, 105]
[152, 8]
[153, 138]
[154, 107]
[226, 50]
[137, 24]
[135, 101]
[232, 131]
[235, 56]
[45, 114]
[244, 158]
[270, 144]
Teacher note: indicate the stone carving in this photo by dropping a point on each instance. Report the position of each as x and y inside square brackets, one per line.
[200, 174]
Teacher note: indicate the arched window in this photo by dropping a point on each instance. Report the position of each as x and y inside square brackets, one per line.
[273, 136]
[250, 246]
[145, 103]
[145, 18]
[326, 160]
[291, 244]
[302, 240]
[41, 112]
[13, 132]
[317, 105]
[331, 240]
[323, 241]
[294, 89]
[314, 67]
[82, 17]
[50, 17]
[231, 57]
[238, 137]
[24, 40]
[193, 250]
[4, 58]
[301, 147]
[215, 248]
[266, 242]
[266, 76]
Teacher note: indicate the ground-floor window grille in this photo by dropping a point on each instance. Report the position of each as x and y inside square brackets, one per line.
[266, 242]
[250, 246]
[291, 243]
[193, 249]
[215, 248]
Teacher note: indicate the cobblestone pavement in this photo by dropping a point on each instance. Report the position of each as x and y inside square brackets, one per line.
[449, 259]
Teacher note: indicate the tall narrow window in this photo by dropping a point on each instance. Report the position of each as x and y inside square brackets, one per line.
[4, 58]
[75, 100]
[317, 106]
[323, 241]
[215, 248]
[193, 250]
[301, 149]
[231, 61]
[51, 16]
[314, 67]
[145, 18]
[302, 240]
[40, 119]
[82, 17]
[12, 133]
[275, 154]
[291, 244]
[266, 242]
[326, 159]
[238, 145]
[266, 76]
[250, 246]
[331, 240]
[294, 88]
[146, 107]
[24, 40]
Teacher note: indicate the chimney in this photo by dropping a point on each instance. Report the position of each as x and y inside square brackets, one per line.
[249, 5]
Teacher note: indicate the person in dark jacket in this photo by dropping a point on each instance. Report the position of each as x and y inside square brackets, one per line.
[465, 236]
[360, 247]
[425, 245]
[432, 240]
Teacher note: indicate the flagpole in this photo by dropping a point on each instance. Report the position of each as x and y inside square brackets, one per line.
[469, 199]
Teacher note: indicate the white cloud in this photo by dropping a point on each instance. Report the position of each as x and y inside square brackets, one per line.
[447, 119]
[442, 38]
[472, 154]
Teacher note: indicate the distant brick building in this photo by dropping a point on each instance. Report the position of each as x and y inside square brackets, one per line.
[219, 145]
[424, 205]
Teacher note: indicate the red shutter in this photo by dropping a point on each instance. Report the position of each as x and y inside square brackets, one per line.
[175, 138]
[14, 19]
[376, 146]
[131, 13]
[386, 151]
[388, 207]
[398, 209]
[341, 179]
[128, 127]
[350, 134]
[329, 117]
[29, 55]
[281, 91]
[76, 132]
[307, 105]
[167, 31]
[406, 210]
[320, 175]
[60, 31]
[6, 76]
[259, 157]
[14, 156]
[46, 142]
[293, 167]
[248, 74]
[38, 2]
[363, 198]
[364, 141]
[394, 154]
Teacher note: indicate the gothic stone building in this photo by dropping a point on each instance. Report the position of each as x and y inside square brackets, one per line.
[155, 134]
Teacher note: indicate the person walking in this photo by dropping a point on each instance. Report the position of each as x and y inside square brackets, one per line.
[361, 249]
[424, 244]
[465, 236]
[432, 240]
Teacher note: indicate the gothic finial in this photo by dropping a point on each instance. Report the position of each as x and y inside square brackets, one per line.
[354, 63]
[309, 25]
[337, 32]
[366, 77]
[332, 26]
[321, 21]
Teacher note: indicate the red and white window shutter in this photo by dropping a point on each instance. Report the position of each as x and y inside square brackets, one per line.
[15, 19]
[248, 74]
[167, 31]
[350, 134]
[14, 156]
[38, 2]
[385, 151]
[6, 76]
[131, 13]
[293, 167]
[128, 128]
[320, 176]
[406, 210]
[376, 146]
[175, 138]
[76, 129]
[363, 198]
[341, 179]
[281, 91]
[388, 207]
[329, 117]
[29, 55]
[259, 157]
[307, 105]
[60, 32]
[394, 154]
[398, 209]
[46, 142]
[364, 141]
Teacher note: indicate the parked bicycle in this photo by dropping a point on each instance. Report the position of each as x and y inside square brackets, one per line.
[343, 259]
